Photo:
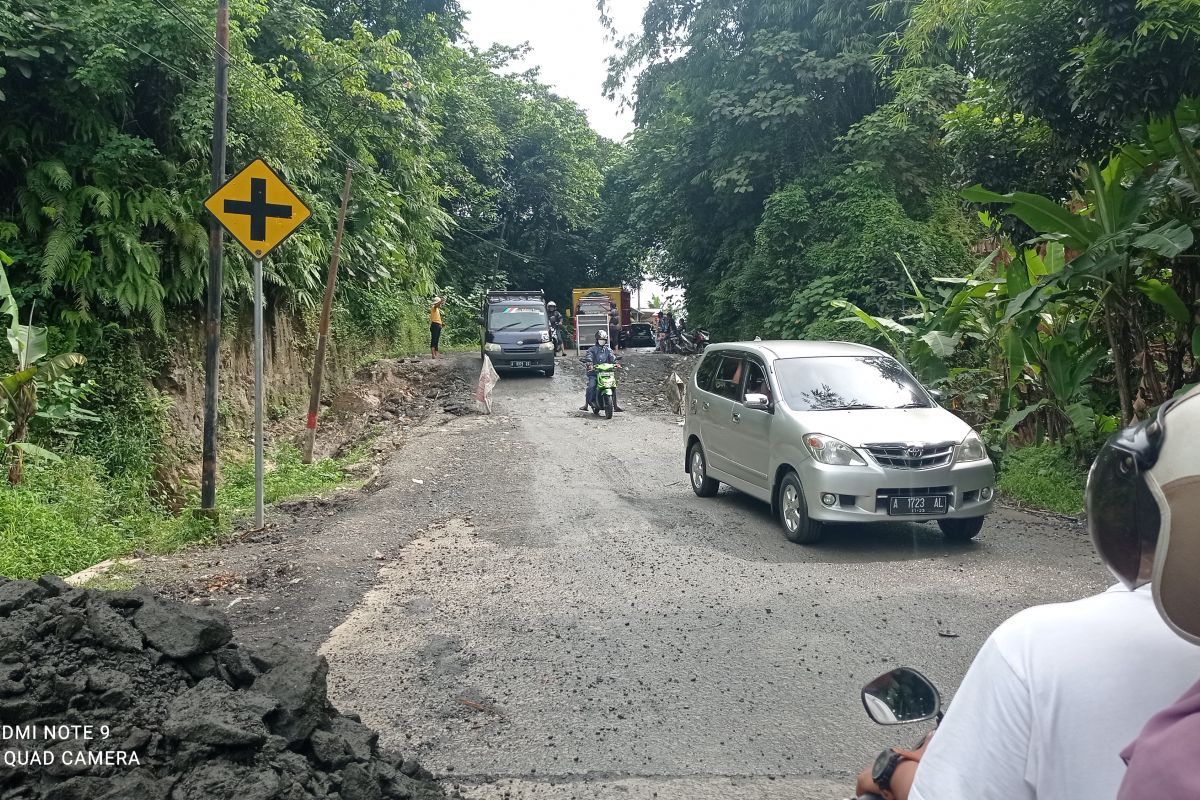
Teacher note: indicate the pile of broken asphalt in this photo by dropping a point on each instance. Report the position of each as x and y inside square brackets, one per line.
[158, 703]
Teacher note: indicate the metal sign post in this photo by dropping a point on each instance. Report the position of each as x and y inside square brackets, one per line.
[258, 394]
[260, 211]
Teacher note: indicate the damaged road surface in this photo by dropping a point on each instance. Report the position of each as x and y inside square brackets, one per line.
[557, 616]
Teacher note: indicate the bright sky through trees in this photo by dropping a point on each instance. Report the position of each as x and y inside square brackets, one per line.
[569, 45]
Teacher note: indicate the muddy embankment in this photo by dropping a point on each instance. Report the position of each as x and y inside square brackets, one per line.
[124, 695]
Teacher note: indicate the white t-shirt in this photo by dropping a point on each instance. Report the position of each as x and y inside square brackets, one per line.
[1053, 697]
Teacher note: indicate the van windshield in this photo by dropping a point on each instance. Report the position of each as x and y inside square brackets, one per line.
[840, 383]
[516, 318]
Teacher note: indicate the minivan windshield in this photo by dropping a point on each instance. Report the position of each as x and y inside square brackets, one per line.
[841, 383]
[516, 318]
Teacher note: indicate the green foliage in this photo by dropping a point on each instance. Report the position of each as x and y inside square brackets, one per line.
[129, 439]
[1124, 240]
[35, 369]
[1044, 476]
[524, 172]
[286, 476]
[71, 514]
[68, 515]
[105, 137]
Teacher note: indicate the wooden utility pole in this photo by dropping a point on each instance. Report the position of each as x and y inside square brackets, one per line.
[216, 241]
[314, 402]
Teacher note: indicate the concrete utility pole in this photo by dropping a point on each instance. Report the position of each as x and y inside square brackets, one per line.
[216, 241]
[314, 402]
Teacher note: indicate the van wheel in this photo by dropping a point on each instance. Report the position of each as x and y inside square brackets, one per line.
[549, 373]
[793, 513]
[702, 485]
[961, 530]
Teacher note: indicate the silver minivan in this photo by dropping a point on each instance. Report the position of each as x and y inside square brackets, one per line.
[830, 432]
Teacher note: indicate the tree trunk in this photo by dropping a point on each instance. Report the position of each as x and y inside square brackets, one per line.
[1121, 362]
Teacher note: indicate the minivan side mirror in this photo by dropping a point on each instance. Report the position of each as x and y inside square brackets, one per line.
[937, 394]
[757, 401]
[479, 319]
[900, 697]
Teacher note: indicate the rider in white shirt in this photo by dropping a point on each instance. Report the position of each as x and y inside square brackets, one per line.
[1058, 691]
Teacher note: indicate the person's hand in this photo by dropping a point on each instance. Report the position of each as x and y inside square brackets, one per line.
[902, 778]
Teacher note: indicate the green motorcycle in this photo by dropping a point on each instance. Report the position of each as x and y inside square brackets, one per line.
[606, 388]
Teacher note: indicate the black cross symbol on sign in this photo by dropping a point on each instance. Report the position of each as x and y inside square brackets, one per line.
[258, 209]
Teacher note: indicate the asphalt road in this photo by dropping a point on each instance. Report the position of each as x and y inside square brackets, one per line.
[566, 620]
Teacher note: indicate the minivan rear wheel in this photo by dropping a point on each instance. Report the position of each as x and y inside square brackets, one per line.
[793, 512]
[961, 529]
[702, 485]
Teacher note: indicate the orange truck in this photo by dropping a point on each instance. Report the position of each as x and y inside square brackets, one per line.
[590, 311]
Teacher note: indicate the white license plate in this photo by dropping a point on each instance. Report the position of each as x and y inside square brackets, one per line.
[518, 363]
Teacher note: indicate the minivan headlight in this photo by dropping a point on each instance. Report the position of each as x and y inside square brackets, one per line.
[834, 452]
[491, 347]
[972, 448]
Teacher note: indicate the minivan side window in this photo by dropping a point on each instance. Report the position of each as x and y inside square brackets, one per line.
[728, 382]
[756, 381]
[707, 371]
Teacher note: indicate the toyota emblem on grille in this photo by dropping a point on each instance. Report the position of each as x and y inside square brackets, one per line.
[914, 452]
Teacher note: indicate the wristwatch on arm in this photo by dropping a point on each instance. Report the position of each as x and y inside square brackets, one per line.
[885, 768]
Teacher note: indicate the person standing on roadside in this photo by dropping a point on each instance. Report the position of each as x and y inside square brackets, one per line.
[435, 325]
[556, 327]
[614, 326]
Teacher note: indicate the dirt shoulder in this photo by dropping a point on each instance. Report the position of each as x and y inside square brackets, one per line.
[298, 576]
[304, 572]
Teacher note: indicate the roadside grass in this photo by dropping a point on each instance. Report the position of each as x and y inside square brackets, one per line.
[1045, 477]
[119, 577]
[69, 515]
[286, 476]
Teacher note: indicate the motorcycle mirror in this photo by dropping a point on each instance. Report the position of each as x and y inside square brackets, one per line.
[900, 697]
[758, 401]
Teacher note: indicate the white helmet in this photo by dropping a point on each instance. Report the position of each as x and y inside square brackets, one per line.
[601, 336]
[1143, 504]
[551, 305]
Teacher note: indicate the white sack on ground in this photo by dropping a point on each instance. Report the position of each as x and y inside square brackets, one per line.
[483, 390]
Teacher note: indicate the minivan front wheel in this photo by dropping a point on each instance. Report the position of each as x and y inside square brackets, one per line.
[961, 529]
[702, 485]
[793, 512]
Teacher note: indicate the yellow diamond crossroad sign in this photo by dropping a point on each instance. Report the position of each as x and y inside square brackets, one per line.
[257, 208]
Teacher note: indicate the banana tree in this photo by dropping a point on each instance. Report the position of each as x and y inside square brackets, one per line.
[920, 341]
[18, 389]
[1120, 246]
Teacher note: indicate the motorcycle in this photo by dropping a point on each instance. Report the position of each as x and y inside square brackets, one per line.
[556, 338]
[900, 697]
[690, 343]
[606, 387]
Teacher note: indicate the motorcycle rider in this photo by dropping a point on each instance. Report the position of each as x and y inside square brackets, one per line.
[599, 353]
[1059, 690]
[556, 323]
[1162, 760]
